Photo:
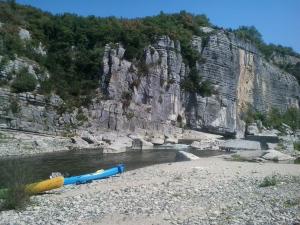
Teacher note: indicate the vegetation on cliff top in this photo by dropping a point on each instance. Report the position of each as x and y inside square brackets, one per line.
[253, 35]
[75, 44]
[269, 50]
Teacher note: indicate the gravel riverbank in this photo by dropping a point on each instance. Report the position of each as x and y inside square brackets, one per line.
[205, 191]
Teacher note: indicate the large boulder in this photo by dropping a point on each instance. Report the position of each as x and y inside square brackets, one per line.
[240, 144]
[79, 142]
[157, 141]
[276, 156]
[171, 140]
[252, 129]
[120, 144]
[88, 137]
[139, 143]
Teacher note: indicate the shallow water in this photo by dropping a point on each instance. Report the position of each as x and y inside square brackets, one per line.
[72, 163]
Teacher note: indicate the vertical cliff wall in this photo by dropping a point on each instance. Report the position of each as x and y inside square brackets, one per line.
[242, 78]
[148, 92]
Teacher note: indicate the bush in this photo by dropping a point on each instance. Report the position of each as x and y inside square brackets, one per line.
[251, 116]
[275, 119]
[269, 181]
[15, 177]
[297, 145]
[126, 98]
[24, 81]
[193, 83]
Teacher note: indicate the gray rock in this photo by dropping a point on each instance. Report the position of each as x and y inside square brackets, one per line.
[171, 140]
[229, 65]
[119, 144]
[80, 143]
[157, 141]
[276, 155]
[206, 145]
[240, 144]
[252, 129]
[24, 34]
[140, 143]
[88, 137]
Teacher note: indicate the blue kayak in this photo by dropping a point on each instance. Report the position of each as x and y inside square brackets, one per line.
[86, 178]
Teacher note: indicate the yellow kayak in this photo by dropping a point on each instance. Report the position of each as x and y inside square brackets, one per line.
[45, 185]
[50, 184]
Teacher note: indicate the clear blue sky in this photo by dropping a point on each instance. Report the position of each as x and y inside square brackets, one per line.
[277, 20]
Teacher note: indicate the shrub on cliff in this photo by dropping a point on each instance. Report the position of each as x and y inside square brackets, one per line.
[275, 119]
[253, 35]
[24, 81]
[194, 83]
[297, 145]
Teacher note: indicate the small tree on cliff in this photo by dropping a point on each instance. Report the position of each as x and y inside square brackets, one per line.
[194, 83]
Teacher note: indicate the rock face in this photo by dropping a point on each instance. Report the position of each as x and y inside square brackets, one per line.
[240, 144]
[146, 97]
[240, 75]
[242, 78]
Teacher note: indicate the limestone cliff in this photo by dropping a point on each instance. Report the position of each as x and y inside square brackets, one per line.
[147, 96]
[243, 78]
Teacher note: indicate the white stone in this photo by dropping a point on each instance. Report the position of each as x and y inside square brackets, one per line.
[24, 34]
[206, 29]
[157, 141]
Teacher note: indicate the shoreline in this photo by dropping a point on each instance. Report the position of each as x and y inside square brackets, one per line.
[204, 191]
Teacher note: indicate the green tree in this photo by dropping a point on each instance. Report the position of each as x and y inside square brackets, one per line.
[24, 81]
